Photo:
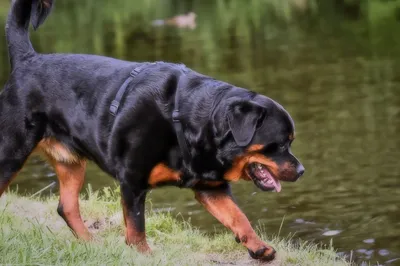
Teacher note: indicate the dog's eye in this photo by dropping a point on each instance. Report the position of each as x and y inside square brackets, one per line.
[272, 147]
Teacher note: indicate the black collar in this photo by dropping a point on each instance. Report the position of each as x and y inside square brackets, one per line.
[176, 115]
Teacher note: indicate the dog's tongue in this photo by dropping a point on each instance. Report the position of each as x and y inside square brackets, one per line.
[267, 179]
[277, 185]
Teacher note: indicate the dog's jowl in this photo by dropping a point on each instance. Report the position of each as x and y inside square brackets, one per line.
[145, 124]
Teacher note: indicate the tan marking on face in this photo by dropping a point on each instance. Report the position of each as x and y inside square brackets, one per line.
[292, 136]
[271, 165]
[255, 147]
[238, 169]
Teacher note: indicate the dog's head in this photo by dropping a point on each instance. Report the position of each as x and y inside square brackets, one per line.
[254, 141]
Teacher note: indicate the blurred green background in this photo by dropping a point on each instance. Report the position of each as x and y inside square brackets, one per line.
[333, 64]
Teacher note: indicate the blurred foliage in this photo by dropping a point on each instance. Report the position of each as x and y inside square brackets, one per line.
[114, 27]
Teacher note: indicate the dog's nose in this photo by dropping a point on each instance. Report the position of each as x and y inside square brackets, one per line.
[300, 170]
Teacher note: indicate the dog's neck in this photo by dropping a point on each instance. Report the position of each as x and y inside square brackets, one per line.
[204, 163]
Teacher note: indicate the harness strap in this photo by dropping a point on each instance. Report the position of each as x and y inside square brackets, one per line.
[122, 90]
[176, 115]
[176, 119]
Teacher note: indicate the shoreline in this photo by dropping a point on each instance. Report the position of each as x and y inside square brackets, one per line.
[33, 233]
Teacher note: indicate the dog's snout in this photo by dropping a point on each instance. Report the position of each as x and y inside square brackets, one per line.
[300, 170]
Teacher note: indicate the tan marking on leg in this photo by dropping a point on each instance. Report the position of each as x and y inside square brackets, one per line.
[58, 151]
[162, 174]
[70, 170]
[222, 207]
[71, 178]
[132, 235]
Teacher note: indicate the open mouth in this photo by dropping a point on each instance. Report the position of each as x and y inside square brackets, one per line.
[263, 178]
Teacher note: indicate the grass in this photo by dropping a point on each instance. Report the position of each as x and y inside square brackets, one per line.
[31, 232]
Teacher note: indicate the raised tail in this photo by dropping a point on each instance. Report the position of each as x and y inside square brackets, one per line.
[17, 27]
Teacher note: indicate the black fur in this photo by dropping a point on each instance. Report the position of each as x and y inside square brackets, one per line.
[67, 97]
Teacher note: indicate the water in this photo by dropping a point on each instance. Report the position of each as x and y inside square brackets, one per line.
[337, 77]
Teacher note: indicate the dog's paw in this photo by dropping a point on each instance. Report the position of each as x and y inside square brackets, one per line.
[141, 246]
[144, 248]
[265, 253]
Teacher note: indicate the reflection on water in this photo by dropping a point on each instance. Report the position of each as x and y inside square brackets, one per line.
[337, 78]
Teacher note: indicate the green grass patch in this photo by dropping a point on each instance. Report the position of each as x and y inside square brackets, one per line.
[32, 233]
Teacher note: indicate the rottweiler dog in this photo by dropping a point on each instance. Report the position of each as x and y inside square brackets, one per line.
[145, 124]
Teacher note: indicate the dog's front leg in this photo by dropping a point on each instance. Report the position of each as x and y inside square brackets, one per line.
[133, 205]
[221, 205]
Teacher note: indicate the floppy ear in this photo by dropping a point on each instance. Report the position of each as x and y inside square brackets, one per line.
[243, 117]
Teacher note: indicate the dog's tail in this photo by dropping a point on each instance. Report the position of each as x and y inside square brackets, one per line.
[17, 27]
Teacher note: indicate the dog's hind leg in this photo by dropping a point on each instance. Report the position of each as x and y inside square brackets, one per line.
[71, 176]
[5, 180]
[17, 141]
